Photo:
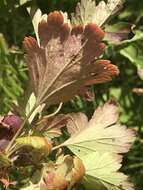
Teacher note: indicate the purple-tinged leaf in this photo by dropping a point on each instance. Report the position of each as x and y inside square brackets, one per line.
[67, 59]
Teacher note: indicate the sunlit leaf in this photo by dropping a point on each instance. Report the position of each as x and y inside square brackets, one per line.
[133, 53]
[76, 123]
[30, 104]
[102, 172]
[22, 2]
[88, 12]
[101, 133]
[12, 74]
[36, 18]
[30, 108]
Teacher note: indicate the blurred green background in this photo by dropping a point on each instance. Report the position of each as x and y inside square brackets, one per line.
[15, 24]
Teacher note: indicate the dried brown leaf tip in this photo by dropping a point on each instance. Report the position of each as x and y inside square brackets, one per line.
[67, 59]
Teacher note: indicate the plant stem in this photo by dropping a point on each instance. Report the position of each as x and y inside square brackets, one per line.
[20, 129]
[52, 114]
[56, 147]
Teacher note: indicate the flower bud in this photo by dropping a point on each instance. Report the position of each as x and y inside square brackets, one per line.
[9, 124]
[13, 121]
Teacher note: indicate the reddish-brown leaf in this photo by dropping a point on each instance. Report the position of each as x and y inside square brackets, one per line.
[67, 59]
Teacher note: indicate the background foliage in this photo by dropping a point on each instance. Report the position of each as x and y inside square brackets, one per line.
[15, 23]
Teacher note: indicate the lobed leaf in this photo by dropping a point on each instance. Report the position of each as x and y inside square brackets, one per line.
[88, 12]
[101, 133]
[102, 172]
[67, 59]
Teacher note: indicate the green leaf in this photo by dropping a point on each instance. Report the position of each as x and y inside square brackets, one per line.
[140, 71]
[3, 45]
[11, 64]
[138, 36]
[133, 53]
[103, 168]
[40, 144]
[101, 133]
[30, 106]
[102, 172]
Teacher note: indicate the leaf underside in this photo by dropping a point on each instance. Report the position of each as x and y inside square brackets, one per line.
[67, 59]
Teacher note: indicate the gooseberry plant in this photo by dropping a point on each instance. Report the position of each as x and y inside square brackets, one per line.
[65, 151]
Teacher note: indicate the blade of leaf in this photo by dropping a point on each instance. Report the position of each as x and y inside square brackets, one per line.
[88, 12]
[36, 17]
[102, 171]
[31, 105]
[66, 60]
[101, 134]
[105, 10]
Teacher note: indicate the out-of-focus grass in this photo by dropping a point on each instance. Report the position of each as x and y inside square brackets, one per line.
[12, 74]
